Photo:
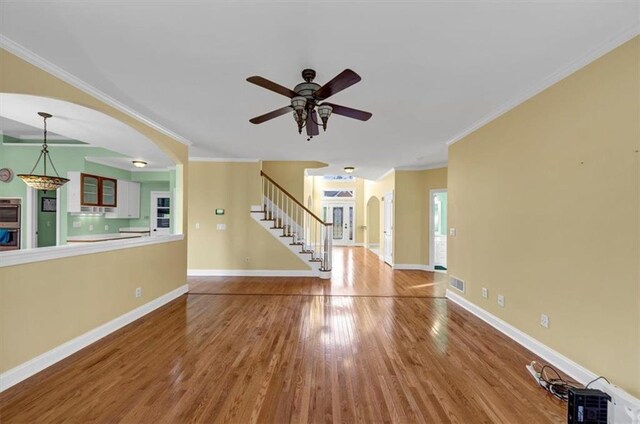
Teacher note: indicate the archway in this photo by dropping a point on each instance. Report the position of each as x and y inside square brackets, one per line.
[373, 223]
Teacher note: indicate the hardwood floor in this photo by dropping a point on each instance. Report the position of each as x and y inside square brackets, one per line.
[246, 351]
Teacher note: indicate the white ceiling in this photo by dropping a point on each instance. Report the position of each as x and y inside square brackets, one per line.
[75, 122]
[430, 70]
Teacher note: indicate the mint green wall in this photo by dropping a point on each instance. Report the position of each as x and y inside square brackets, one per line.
[46, 222]
[94, 225]
[21, 158]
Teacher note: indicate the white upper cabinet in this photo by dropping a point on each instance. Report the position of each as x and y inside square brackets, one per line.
[128, 201]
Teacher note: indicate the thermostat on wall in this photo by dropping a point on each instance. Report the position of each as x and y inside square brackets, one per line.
[219, 211]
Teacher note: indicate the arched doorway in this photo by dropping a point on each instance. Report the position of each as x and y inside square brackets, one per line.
[373, 224]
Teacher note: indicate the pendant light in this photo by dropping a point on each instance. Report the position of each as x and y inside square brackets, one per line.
[44, 182]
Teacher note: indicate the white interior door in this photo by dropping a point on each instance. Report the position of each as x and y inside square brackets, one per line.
[343, 219]
[160, 217]
[388, 228]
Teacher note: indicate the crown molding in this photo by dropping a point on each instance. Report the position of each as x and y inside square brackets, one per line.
[203, 159]
[602, 49]
[38, 61]
[385, 174]
[421, 167]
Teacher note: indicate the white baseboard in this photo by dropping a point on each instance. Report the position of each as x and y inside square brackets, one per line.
[33, 366]
[626, 408]
[250, 273]
[418, 267]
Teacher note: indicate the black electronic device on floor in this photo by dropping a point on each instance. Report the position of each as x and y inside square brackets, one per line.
[587, 406]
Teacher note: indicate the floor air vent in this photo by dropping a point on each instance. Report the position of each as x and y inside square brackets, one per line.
[457, 284]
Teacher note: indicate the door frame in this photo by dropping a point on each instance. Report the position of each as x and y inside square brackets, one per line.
[346, 203]
[388, 198]
[32, 208]
[153, 221]
[432, 235]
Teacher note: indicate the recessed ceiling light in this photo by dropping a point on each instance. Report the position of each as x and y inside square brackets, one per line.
[139, 163]
[349, 169]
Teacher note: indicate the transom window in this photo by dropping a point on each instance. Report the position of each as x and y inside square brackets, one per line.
[338, 177]
[338, 194]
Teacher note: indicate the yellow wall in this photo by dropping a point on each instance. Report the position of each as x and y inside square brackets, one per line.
[545, 200]
[373, 222]
[44, 304]
[412, 213]
[234, 187]
[290, 175]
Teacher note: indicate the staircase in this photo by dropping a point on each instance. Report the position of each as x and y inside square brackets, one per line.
[295, 226]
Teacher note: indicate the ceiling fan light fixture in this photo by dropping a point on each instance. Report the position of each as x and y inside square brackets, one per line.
[44, 182]
[325, 112]
[298, 103]
[349, 169]
[139, 163]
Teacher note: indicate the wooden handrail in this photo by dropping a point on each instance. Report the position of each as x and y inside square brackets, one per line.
[293, 198]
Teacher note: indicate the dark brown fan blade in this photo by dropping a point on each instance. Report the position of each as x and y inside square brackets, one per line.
[273, 114]
[312, 126]
[343, 80]
[349, 112]
[270, 85]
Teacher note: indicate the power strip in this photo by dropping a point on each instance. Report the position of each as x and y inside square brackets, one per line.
[536, 375]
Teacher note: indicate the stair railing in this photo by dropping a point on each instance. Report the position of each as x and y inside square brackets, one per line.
[307, 230]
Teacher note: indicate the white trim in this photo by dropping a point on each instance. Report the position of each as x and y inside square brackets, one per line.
[437, 165]
[359, 245]
[38, 61]
[621, 38]
[431, 236]
[40, 362]
[621, 399]
[25, 256]
[385, 174]
[205, 159]
[249, 273]
[418, 267]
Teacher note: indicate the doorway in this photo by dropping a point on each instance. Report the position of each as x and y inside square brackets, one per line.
[373, 225]
[388, 228]
[160, 216]
[342, 215]
[46, 226]
[438, 229]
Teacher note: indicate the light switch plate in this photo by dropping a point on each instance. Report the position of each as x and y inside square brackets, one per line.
[221, 227]
[452, 232]
[77, 224]
[197, 225]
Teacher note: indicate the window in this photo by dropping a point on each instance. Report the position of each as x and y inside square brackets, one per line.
[338, 177]
[338, 194]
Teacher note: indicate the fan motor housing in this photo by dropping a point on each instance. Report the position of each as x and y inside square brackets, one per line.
[306, 89]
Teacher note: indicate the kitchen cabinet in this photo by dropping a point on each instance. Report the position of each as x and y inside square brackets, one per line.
[128, 201]
[88, 193]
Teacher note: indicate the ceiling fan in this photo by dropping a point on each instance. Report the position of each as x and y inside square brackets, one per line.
[307, 96]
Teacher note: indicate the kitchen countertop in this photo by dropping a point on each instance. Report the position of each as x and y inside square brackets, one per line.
[92, 238]
[135, 230]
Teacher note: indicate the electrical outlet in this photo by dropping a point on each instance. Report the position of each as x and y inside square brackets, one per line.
[544, 320]
[485, 293]
[77, 224]
[501, 300]
[139, 292]
[452, 232]
[246, 259]
[90, 227]
[106, 228]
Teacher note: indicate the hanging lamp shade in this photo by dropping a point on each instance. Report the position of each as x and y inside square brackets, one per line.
[44, 182]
